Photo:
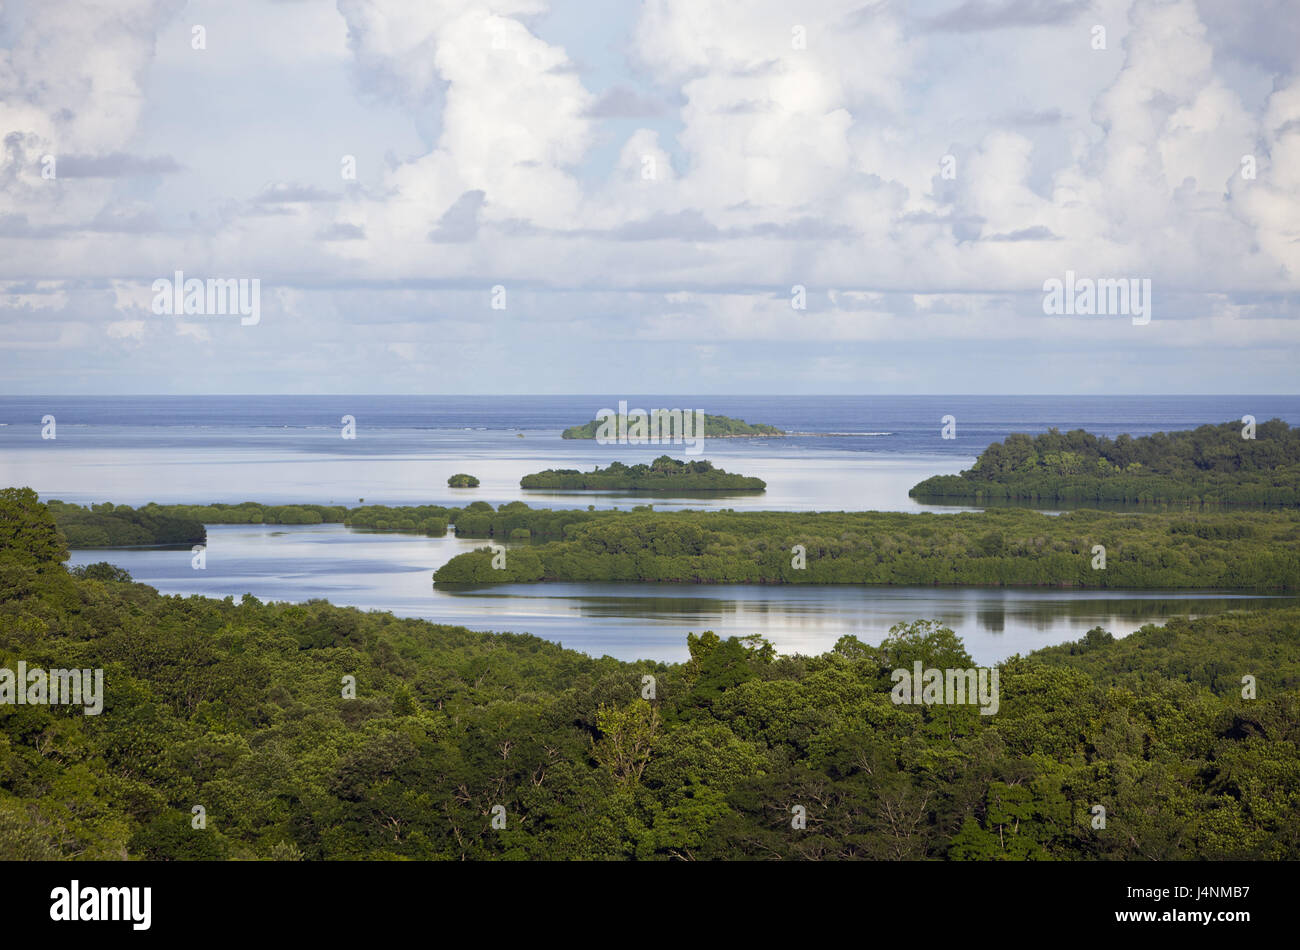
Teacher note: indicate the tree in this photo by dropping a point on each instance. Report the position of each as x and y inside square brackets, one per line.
[627, 736]
[926, 640]
[27, 530]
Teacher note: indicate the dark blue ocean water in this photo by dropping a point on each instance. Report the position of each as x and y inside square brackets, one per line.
[280, 449]
[895, 424]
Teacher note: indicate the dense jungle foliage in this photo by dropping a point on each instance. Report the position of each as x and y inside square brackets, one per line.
[154, 522]
[476, 520]
[1246, 550]
[1210, 465]
[239, 708]
[663, 474]
[109, 525]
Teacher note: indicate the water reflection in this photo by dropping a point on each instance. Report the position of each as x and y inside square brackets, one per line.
[393, 572]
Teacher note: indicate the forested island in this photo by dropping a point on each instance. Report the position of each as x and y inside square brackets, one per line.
[462, 480]
[476, 520]
[663, 474]
[1247, 550]
[1256, 550]
[715, 427]
[1210, 465]
[108, 525]
[315, 732]
[158, 521]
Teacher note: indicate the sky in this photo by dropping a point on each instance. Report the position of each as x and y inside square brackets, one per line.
[696, 196]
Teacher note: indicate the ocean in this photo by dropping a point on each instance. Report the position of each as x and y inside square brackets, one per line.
[196, 449]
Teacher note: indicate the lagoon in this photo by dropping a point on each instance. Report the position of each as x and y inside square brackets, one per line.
[284, 449]
[393, 572]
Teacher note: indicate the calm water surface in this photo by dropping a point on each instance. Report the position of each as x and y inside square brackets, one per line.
[279, 449]
[633, 621]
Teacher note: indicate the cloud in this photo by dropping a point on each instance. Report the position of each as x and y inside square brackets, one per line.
[17, 226]
[1035, 233]
[1034, 117]
[765, 159]
[195, 331]
[513, 114]
[460, 221]
[126, 329]
[1264, 33]
[687, 225]
[342, 231]
[1270, 202]
[977, 15]
[106, 221]
[114, 165]
[75, 72]
[287, 193]
[73, 86]
[623, 102]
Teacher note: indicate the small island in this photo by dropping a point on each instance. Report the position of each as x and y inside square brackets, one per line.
[461, 480]
[663, 474]
[715, 427]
